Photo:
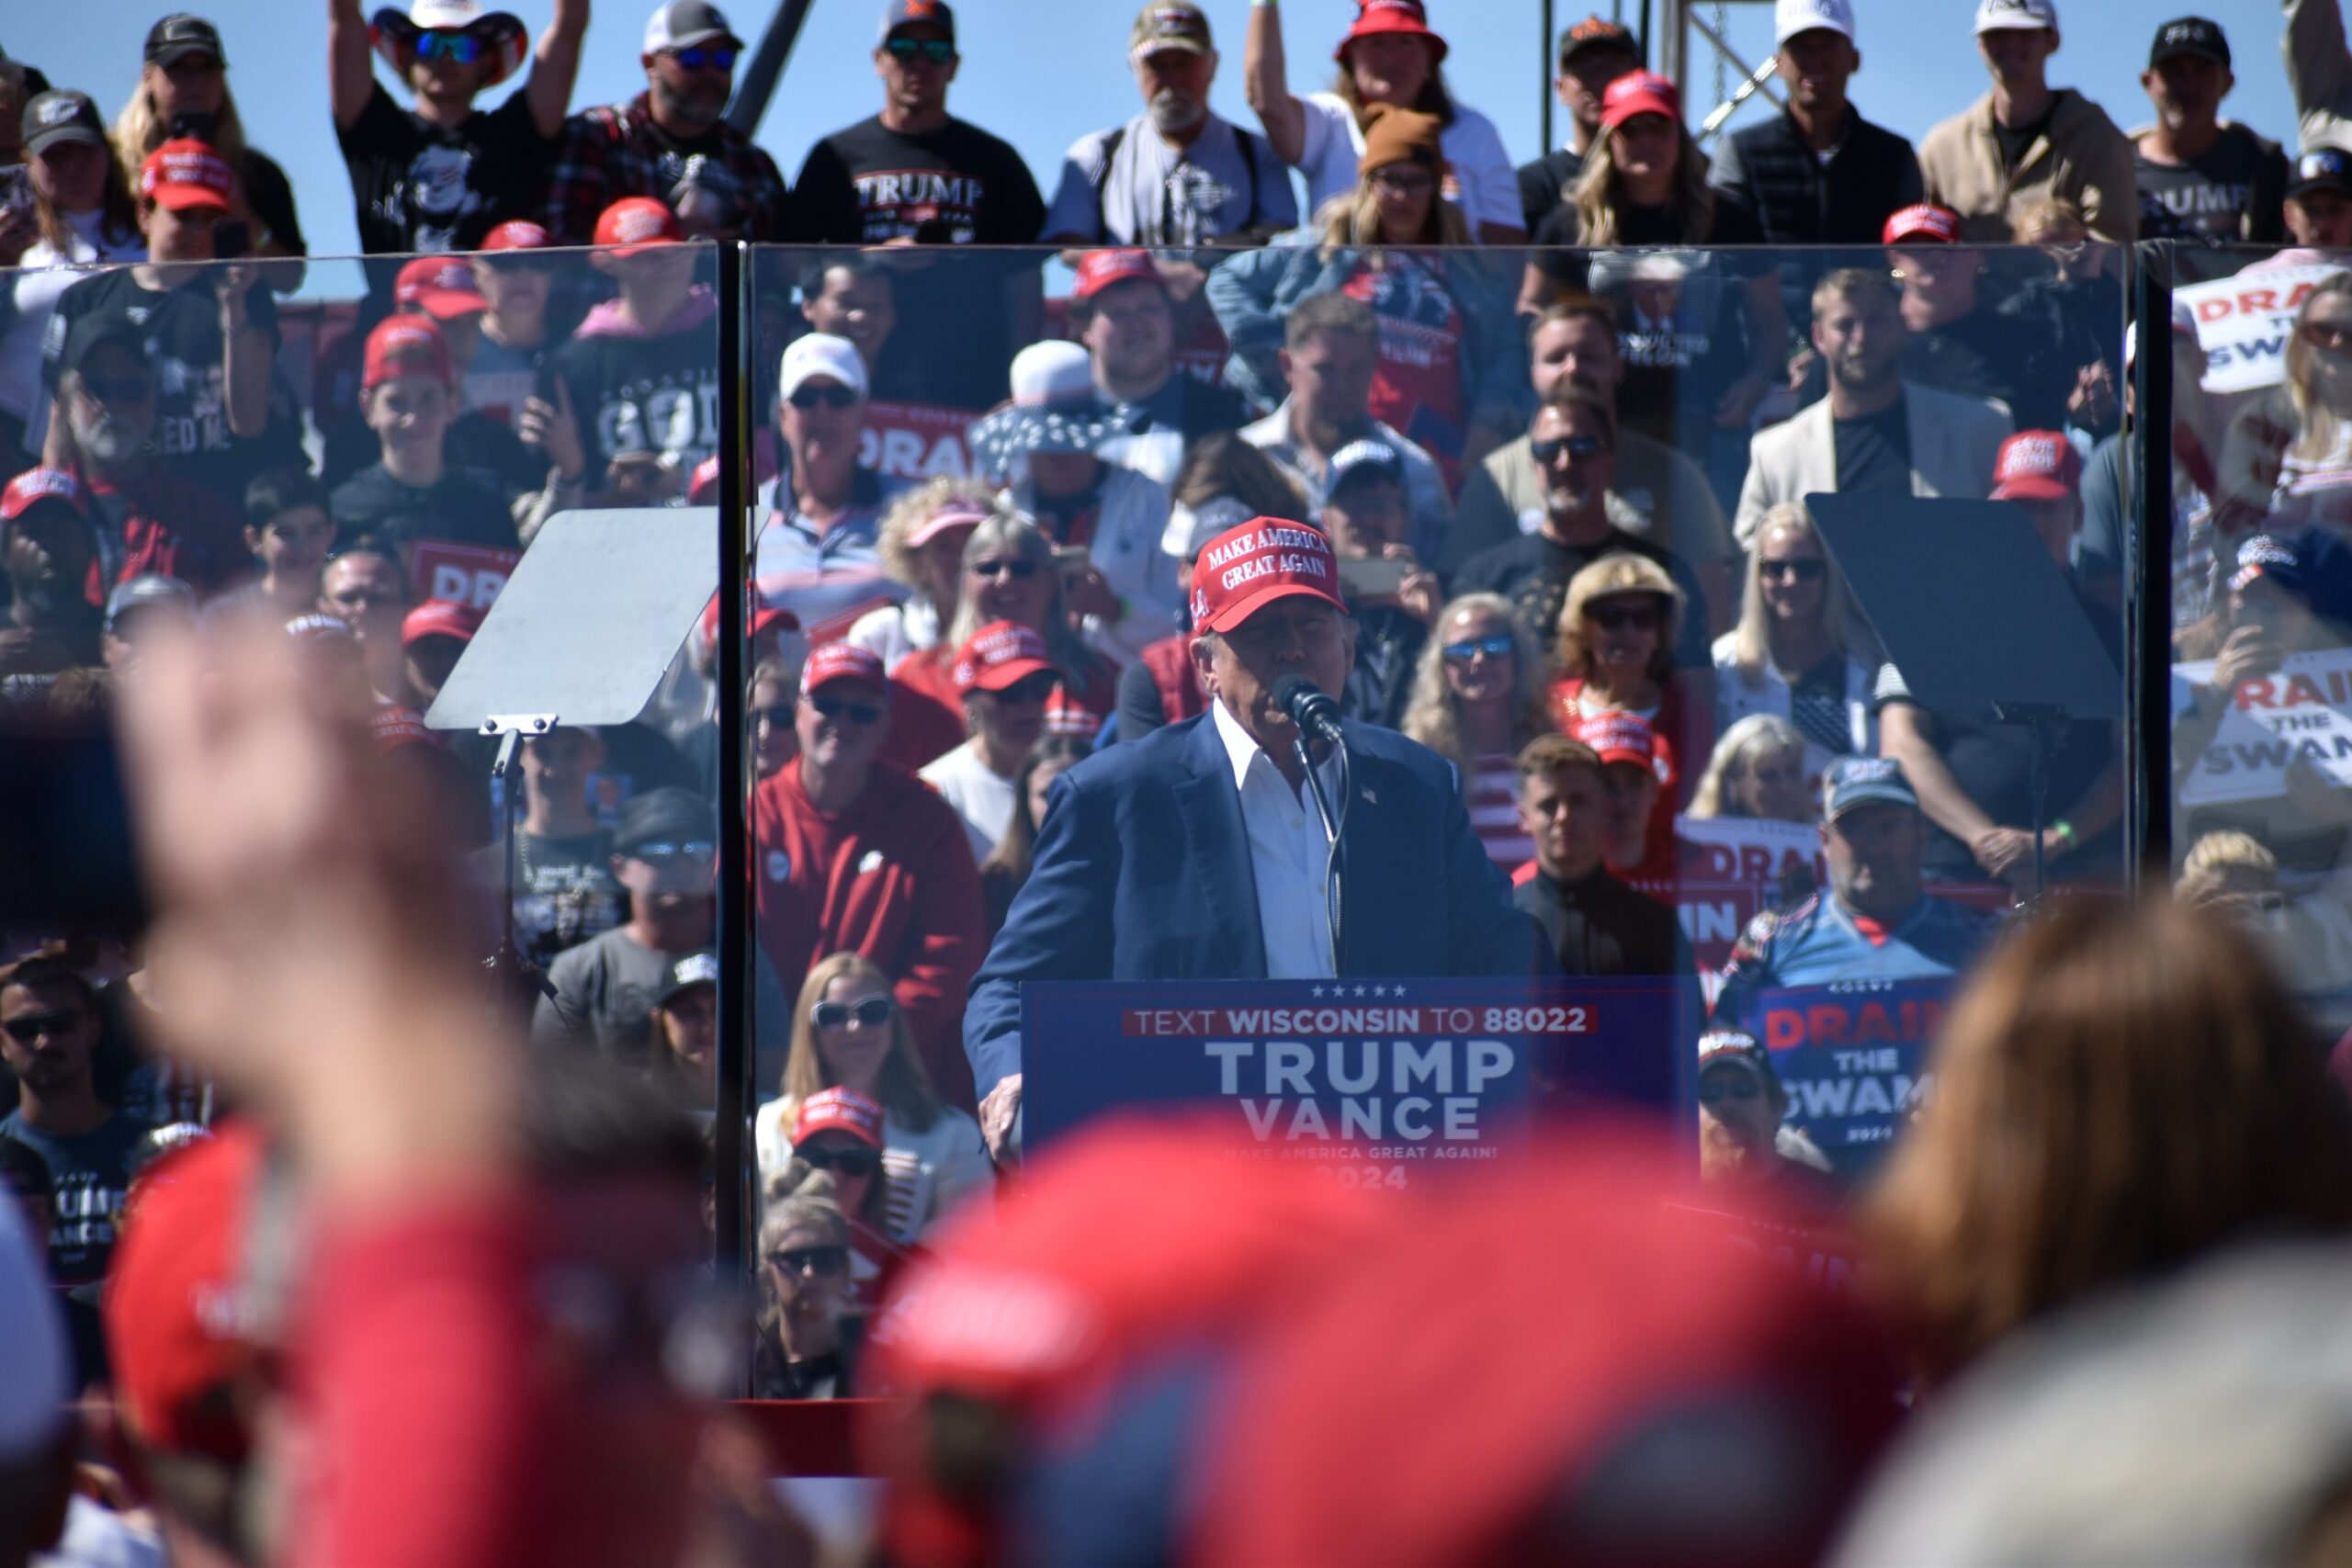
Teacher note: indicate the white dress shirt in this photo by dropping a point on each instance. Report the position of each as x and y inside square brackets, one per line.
[1288, 855]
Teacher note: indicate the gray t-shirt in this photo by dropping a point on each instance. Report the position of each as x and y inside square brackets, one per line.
[603, 997]
[1130, 186]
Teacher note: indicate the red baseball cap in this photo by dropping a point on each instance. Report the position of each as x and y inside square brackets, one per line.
[1922, 222]
[2037, 464]
[1639, 92]
[442, 287]
[36, 485]
[440, 617]
[1391, 16]
[517, 234]
[999, 655]
[842, 662]
[392, 726]
[764, 619]
[839, 1111]
[636, 221]
[1098, 270]
[185, 174]
[177, 1324]
[396, 343]
[1247, 568]
[1619, 737]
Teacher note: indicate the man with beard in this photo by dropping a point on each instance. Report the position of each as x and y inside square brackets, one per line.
[1875, 432]
[49, 1027]
[1574, 440]
[151, 515]
[47, 550]
[205, 335]
[1331, 347]
[441, 175]
[1175, 175]
[670, 143]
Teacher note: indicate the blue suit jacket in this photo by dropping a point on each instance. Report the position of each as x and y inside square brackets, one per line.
[1142, 873]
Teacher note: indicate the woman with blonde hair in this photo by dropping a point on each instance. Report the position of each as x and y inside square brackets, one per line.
[2118, 1090]
[1800, 652]
[184, 91]
[920, 540]
[2287, 455]
[1477, 698]
[848, 1031]
[1758, 770]
[807, 1338]
[1453, 361]
[1615, 654]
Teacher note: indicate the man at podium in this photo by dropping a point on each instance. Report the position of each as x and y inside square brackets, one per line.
[1198, 853]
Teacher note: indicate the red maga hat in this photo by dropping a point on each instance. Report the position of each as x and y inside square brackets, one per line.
[839, 1111]
[1098, 270]
[1619, 737]
[1638, 93]
[842, 662]
[1921, 223]
[396, 343]
[999, 655]
[441, 286]
[636, 221]
[36, 485]
[2037, 464]
[185, 174]
[1243, 569]
[440, 617]
[517, 234]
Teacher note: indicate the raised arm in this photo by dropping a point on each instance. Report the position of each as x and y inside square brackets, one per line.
[1262, 73]
[555, 65]
[350, 72]
[2319, 71]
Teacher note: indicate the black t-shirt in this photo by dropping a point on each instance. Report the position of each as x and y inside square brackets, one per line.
[2013, 144]
[184, 347]
[643, 394]
[1533, 572]
[1982, 354]
[420, 187]
[474, 441]
[1874, 452]
[465, 507]
[1541, 183]
[271, 198]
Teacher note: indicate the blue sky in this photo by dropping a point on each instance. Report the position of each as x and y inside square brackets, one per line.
[1042, 72]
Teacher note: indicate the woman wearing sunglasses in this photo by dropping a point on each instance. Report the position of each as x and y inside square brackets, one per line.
[807, 1342]
[1616, 655]
[848, 1033]
[1477, 698]
[2289, 452]
[1799, 652]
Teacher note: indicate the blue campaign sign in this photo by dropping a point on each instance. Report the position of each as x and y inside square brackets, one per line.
[1393, 1073]
[1850, 1055]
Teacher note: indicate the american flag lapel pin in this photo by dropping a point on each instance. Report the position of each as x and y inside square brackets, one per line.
[1369, 798]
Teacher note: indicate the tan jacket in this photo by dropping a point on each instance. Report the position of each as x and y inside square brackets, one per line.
[2083, 158]
[1954, 442]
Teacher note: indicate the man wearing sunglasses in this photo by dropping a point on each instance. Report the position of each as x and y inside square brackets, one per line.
[853, 853]
[670, 143]
[49, 1027]
[441, 175]
[817, 554]
[915, 173]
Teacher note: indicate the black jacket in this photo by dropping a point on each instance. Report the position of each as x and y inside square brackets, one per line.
[1797, 199]
[1600, 926]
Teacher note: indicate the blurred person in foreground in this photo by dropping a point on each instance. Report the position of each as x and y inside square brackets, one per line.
[2095, 1033]
[1743, 1147]
[1477, 699]
[284, 873]
[1195, 853]
[1595, 923]
[37, 1435]
[1874, 921]
[849, 1032]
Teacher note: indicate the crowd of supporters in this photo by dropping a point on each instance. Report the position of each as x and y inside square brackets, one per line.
[1559, 424]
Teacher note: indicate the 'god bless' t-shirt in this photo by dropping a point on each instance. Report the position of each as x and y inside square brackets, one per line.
[643, 394]
[419, 186]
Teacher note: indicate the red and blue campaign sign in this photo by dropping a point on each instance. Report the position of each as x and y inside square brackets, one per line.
[1850, 1055]
[1386, 1075]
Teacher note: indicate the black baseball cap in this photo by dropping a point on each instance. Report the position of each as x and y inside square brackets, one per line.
[687, 973]
[2189, 35]
[1597, 32]
[178, 35]
[665, 816]
[95, 331]
[2322, 168]
[918, 13]
[62, 116]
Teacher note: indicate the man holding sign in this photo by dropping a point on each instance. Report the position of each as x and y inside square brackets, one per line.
[1197, 852]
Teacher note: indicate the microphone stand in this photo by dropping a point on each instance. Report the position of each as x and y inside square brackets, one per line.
[1332, 901]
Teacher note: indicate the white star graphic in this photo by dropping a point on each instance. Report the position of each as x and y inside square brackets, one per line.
[1319, 990]
[1380, 990]
[1359, 990]
[1396, 990]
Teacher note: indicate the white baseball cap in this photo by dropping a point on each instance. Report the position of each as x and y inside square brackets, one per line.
[820, 354]
[33, 1394]
[1995, 15]
[1790, 18]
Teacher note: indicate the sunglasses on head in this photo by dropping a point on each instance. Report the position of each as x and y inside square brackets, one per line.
[1799, 569]
[705, 59]
[833, 397]
[1496, 646]
[849, 1162]
[448, 43]
[1019, 566]
[33, 1025]
[1547, 453]
[665, 848]
[930, 50]
[1623, 617]
[872, 1013]
[830, 1261]
[841, 708]
[1035, 688]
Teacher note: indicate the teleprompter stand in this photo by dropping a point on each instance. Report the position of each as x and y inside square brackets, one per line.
[1972, 611]
[594, 613]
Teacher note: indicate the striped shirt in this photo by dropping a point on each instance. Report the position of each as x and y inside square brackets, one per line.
[1493, 786]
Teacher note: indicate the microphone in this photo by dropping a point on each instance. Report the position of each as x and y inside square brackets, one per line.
[1310, 708]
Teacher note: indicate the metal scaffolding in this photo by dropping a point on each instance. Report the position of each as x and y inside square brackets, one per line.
[1681, 34]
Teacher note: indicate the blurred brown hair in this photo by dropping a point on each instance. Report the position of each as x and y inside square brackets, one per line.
[2120, 1087]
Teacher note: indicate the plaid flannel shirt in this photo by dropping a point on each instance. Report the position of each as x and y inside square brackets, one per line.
[615, 150]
